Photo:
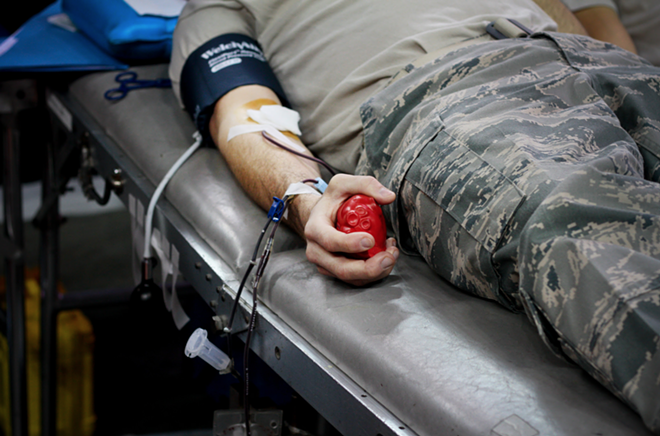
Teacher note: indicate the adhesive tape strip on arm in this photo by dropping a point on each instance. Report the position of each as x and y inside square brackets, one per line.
[299, 188]
[218, 66]
[272, 131]
[283, 119]
[271, 119]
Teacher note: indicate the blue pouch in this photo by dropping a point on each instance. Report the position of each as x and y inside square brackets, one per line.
[122, 32]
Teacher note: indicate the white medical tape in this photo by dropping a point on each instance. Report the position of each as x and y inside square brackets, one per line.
[165, 247]
[163, 262]
[242, 129]
[131, 205]
[137, 235]
[280, 117]
[300, 188]
[178, 314]
[140, 213]
[169, 266]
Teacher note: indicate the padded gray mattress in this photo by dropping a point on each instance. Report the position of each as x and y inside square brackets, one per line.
[442, 362]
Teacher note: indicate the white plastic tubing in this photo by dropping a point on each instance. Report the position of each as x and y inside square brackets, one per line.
[161, 187]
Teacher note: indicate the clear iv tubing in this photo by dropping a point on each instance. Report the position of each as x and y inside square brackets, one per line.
[161, 187]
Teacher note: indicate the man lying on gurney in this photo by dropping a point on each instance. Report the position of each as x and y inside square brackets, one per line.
[523, 169]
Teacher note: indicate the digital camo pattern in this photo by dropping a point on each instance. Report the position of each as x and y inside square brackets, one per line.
[526, 172]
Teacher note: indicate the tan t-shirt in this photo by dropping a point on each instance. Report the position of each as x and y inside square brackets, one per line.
[331, 55]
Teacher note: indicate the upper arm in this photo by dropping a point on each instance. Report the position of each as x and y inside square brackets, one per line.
[215, 51]
[201, 21]
[566, 21]
[603, 23]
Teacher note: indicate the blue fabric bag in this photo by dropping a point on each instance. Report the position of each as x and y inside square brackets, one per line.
[39, 46]
[122, 32]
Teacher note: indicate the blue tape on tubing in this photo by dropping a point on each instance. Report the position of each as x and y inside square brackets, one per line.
[276, 209]
[320, 185]
[218, 66]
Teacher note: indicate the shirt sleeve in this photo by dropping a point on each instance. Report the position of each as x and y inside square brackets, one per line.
[201, 21]
[578, 5]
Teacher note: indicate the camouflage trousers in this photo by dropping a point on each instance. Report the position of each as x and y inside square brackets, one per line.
[527, 172]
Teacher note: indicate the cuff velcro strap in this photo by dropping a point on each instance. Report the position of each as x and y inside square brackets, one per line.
[218, 66]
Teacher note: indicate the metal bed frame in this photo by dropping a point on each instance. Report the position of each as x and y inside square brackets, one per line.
[352, 404]
[345, 404]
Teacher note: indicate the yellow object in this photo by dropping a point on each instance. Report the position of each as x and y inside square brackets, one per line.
[75, 344]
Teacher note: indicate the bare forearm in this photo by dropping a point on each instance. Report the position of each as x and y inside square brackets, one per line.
[566, 21]
[604, 24]
[265, 171]
[262, 169]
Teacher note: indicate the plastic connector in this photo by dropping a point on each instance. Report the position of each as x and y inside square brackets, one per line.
[276, 209]
[320, 185]
[199, 346]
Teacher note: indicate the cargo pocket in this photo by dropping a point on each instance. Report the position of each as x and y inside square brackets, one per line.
[419, 132]
[467, 205]
[476, 195]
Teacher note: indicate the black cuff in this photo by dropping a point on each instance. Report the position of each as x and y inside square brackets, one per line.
[218, 66]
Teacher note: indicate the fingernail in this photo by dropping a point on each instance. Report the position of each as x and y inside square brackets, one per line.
[386, 263]
[384, 192]
[366, 243]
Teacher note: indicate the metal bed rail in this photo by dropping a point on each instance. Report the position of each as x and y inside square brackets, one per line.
[341, 401]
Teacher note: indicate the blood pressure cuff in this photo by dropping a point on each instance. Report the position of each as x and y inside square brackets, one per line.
[218, 66]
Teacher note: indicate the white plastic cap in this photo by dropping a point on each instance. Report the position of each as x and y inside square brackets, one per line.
[199, 345]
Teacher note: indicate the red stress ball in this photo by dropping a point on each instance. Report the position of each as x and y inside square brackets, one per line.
[360, 213]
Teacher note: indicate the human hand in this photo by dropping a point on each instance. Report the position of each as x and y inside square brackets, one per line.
[327, 246]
